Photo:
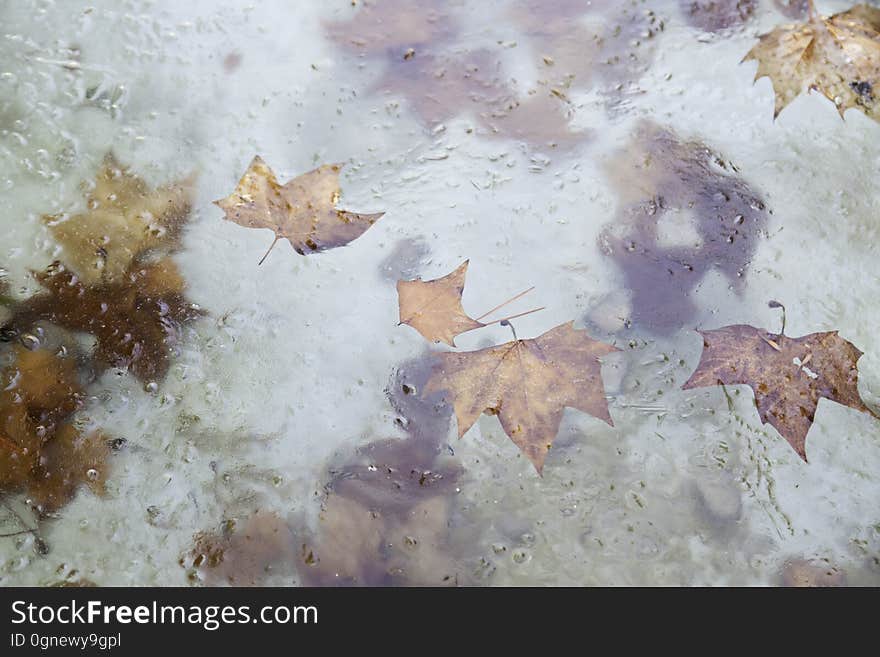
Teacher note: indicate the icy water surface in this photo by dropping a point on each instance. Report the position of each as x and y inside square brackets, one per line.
[615, 155]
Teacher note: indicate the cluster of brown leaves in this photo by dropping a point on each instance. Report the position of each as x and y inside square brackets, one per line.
[117, 284]
[116, 280]
[135, 320]
[526, 383]
[838, 56]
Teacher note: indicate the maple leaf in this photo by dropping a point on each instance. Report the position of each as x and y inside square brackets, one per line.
[125, 218]
[303, 210]
[41, 451]
[433, 308]
[839, 56]
[356, 546]
[788, 375]
[136, 320]
[527, 383]
[68, 461]
[19, 447]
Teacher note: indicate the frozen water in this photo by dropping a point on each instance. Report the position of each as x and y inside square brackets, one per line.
[288, 374]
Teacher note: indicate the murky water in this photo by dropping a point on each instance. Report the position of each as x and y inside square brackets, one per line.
[273, 437]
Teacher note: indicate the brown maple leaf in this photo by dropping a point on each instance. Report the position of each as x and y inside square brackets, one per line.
[19, 447]
[303, 210]
[839, 56]
[41, 450]
[125, 218]
[527, 383]
[136, 320]
[70, 460]
[787, 375]
[433, 308]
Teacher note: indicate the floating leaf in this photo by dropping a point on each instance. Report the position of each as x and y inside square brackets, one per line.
[434, 308]
[303, 210]
[839, 56]
[787, 375]
[527, 383]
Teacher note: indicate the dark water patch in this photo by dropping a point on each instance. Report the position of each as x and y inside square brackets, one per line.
[684, 211]
[718, 15]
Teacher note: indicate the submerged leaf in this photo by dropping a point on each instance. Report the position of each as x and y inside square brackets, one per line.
[684, 211]
[303, 210]
[787, 375]
[41, 451]
[394, 26]
[124, 219]
[136, 319]
[244, 556]
[527, 383]
[385, 520]
[839, 56]
[717, 15]
[68, 461]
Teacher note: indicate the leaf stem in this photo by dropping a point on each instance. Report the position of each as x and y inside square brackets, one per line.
[501, 305]
[505, 322]
[507, 319]
[271, 246]
[775, 304]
